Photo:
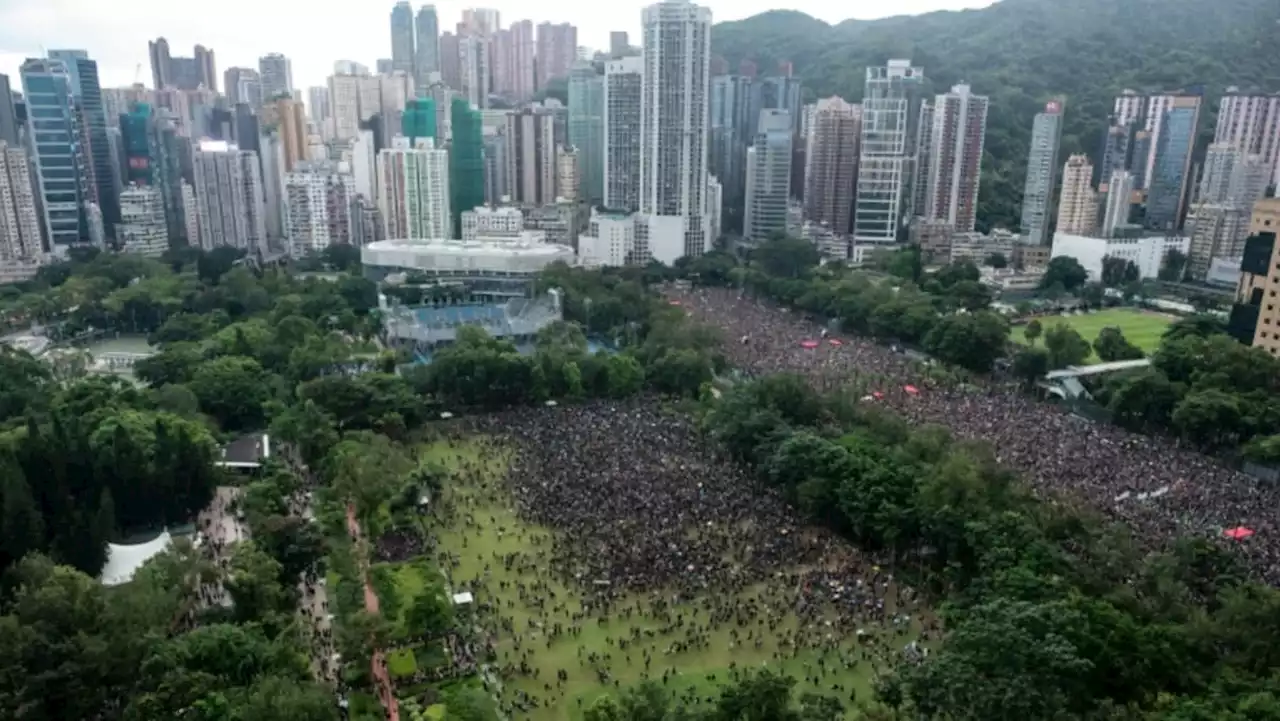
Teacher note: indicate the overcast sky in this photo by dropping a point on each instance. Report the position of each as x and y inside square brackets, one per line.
[315, 34]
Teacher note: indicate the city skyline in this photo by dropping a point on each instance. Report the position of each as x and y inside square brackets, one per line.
[116, 36]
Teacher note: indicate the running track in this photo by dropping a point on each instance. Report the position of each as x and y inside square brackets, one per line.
[386, 691]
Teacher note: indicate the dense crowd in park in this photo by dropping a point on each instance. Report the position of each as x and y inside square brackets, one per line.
[1150, 482]
[668, 542]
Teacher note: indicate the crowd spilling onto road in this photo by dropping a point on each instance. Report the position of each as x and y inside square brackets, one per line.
[1160, 489]
[670, 551]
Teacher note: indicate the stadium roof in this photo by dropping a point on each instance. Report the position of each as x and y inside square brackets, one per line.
[124, 561]
[1096, 369]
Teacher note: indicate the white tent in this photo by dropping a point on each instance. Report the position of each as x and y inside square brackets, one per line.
[124, 561]
[462, 599]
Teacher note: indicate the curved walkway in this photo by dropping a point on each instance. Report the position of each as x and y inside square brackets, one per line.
[386, 691]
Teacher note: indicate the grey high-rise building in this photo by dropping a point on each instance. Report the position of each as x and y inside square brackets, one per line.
[886, 160]
[402, 45]
[243, 85]
[775, 93]
[1042, 171]
[61, 165]
[1117, 148]
[586, 128]
[161, 73]
[619, 44]
[428, 47]
[88, 95]
[730, 134]
[206, 68]
[277, 76]
[8, 115]
[1171, 171]
[229, 197]
[623, 79]
[768, 177]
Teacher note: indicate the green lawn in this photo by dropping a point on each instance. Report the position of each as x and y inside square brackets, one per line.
[401, 663]
[1141, 328]
[486, 529]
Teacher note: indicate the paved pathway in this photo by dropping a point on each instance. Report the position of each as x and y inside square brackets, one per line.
[386, 692]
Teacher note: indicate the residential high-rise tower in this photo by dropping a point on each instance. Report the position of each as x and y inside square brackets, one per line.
[885, 161]
[1078, 204]
[832, 160]
[1042, 171]
[277, 76]
[768, 177]
[673, 145]
[229, 197]
[955, 157]
[623, 80]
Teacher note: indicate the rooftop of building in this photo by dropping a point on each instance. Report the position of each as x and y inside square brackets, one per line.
[499, 246]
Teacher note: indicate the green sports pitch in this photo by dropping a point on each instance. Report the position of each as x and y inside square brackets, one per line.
[1141, 328]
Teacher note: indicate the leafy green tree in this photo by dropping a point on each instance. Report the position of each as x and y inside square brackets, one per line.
[1118, 272]
[1111, 345]
[786, 257]
[233, 390]
[1066, 272]
[1173, 265]
[997, 261]
[1142, 401]
[1030, 364]
[1066, 346]
[970, 340]
[1033, 331]
[431, 615]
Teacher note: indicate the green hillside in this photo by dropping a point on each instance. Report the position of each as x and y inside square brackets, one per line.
[1023, 52]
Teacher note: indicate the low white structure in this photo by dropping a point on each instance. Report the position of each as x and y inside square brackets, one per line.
[1146, 252]
[124, 560]
[463, 599]
[610, 239]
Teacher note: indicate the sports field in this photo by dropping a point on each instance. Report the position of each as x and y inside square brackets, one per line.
[1141, 328]
[482, 542]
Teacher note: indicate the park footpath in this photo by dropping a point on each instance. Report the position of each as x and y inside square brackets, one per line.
[386, 691]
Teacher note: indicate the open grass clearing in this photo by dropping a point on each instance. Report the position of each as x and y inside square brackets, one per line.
[505, 558]
[1140, 327]
[401, 663]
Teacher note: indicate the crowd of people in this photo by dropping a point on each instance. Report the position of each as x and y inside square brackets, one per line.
[645, 553]
[1160, 489]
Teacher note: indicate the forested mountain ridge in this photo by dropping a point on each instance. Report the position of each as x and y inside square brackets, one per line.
[1021, 53]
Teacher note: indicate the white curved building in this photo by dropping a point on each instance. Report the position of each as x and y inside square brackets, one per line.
[487, 262]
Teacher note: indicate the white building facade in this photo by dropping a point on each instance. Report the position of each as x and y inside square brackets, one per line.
[142, 229]
[413, 189]
[674, 116]
[1146, 252]
[319, 201]
[229, 197]
[20, 236]
[623, 83]
[768, 177]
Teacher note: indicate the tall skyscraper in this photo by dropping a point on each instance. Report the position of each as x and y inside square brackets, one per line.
[1147, 113]
[8, 115]
[473, 67]
[481, 21]
[19, 220]
[1175, 140]
[531, 156]
[1078, 204]
[158, 50]
[1232, 177]
[623, 80]
[277, 76]
[466, 159]
[319, 199]
[514, 61]
[832, 158]
[427, 58]
[730, 133]
[413, 190]
[403, 53]
[318, 105]
[450, 61]
[768, 177]
[243, 85]
[775, 93]
[567, 173]
[206, 68]
[673, 146]
[1119, 196]
[586, 128]
[557, 49]
[1251, 124]
[292, 125]
[1042, 171]
[955, 157]
[61, 163]
[1117, 152]
[143, 229]
[619, 44]
[88, 97]
[885, 162]
[229, 197]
